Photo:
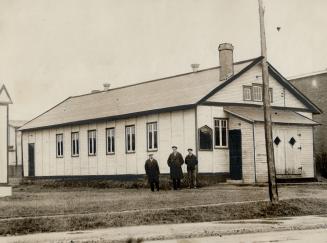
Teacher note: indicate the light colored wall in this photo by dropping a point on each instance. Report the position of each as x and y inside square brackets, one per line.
[12, 153]
[305, 157]
[174, 128]
[3, 143]
[233, 93]
[15, 137]
[218, 159]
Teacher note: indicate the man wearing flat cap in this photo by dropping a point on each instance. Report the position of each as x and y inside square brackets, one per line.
[192, 162]
[152, 171]
[175, 161]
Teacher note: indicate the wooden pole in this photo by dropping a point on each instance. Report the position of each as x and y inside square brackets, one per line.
[273, 192]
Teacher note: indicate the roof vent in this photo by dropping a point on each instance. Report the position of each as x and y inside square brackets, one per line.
[195, 67]
[106, 86]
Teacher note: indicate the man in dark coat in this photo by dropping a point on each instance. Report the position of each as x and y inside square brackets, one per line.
[175, 161]
[153, 172]
[192, 162]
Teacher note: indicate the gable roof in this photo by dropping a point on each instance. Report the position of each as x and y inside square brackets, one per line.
[164, 94]
[275, 74]
[293, 90]
[4, 96]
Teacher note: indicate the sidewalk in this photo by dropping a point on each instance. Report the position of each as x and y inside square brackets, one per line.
[175, 231]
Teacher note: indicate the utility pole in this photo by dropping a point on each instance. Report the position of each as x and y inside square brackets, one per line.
[273, 192]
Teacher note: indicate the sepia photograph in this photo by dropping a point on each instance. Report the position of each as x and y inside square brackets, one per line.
[162, 121]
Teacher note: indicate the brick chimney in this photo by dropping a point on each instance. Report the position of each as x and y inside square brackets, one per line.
[226, 60]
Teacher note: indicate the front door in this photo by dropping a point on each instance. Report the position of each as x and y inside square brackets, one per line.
[31, 159]
[235, 154]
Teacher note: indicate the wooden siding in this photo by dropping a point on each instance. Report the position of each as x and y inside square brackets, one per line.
[233, 93]
[3, 144]
[218, 159]
[305, 156]
[174, 128]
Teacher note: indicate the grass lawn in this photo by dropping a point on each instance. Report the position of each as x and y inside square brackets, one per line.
[108, 204]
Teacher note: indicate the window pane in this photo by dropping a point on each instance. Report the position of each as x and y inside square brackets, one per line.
[217, 136]
[247, 93]
[90, 146]
[150, 140]
[257, 93]
[94, 145]
[133, 142]
[77, 147]
[113, 144]
[128, 142]
[155, 140]
[224, 137]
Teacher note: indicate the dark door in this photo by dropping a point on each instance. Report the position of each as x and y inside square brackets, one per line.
[31, 159]
[235, 154]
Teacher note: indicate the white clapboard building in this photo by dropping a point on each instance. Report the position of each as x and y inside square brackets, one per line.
[217, 112]
[5, 100]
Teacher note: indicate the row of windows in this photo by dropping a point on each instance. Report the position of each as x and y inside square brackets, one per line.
[205, 139]
[254, 93]
[152, 140]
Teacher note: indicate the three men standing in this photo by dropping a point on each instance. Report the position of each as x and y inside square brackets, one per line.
[175, 162]
[152, 171]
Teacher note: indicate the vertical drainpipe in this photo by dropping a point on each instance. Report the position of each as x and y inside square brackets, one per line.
[7, 143]
[254, 157]
[21, 151]
[196, 131]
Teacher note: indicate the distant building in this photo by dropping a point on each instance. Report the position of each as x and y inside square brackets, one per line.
[314, 86]
[15, 148]
[216, 111]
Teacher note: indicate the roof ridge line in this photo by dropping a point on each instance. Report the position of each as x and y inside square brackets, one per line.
[163, 78]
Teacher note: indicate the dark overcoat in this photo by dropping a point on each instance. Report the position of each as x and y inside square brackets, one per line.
[175, 164]
[191, 161]
[152, 170]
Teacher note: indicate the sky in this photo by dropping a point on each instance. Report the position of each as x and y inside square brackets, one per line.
[53, 49]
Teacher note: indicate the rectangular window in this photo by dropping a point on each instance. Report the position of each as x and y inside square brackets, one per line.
[247, 93]
[257, 92]
[60, 145]
[75, 144]
[130, 139]
[152, 136]
[92, 142]
[221, 132]
[110, 140]
[271, 95]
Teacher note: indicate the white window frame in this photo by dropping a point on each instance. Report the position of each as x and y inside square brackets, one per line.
[220, 122]
[75, 144]
[245, 98]
[129, 132]
[110, 140]
[60, 145]
[255, 93]
[152, 129]
[92, 142]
